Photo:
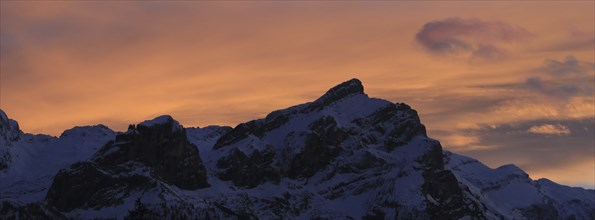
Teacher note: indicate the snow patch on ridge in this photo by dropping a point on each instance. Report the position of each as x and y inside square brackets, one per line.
[161, 120]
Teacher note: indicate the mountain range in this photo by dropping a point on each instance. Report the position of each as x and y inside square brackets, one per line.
[342, 156]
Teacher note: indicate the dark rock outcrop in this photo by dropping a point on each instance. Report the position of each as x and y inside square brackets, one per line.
[345, 89]
[445, 198]
[322, 146]
[9, 129]
[163, 147]
[240, 132]
[249, 171]
[86, 185]
[9, 133]
[156, 150]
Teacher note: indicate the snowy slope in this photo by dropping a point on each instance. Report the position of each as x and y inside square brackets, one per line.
[509, 193]
[35, 159]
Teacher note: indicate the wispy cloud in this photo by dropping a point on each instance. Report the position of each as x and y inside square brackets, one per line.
[537, 145]
[562, 79]
[574, 40]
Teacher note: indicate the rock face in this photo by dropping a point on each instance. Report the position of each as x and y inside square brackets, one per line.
[321, 147]
[151, 152]
[9, 129]
[162, 146]
[88, 185]
[9, 133]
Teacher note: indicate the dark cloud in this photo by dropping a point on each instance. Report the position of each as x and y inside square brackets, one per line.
[574, 45]
[558, 79]
[575, 40]
[562, 79]
[536, 145]
[477, 38]
[570, 65]
[7, 43]
[552, 89]
[489, 52]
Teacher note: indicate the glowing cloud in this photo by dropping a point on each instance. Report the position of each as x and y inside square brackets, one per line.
[550, 129]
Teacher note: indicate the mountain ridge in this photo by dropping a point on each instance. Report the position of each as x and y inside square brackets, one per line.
[344, 155]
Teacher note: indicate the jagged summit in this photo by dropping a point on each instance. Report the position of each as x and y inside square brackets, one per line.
[347, 88]
[344, 102]
[165, 121]
[9, 129]
[9, 133]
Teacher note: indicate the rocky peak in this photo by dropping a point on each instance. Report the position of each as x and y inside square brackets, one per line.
[162, 145]
[345, 89]
[164, 120]
[159, 146]
[9, 129]
[9, 133]
[279, 118]
[302, 140]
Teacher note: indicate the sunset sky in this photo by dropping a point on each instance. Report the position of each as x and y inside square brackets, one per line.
[503, 82]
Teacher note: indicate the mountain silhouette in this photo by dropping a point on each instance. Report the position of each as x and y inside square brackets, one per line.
[342, 156]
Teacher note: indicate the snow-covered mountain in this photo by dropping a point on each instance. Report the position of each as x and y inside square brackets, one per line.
[507, 192]
[29, 162]
[342, 156]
